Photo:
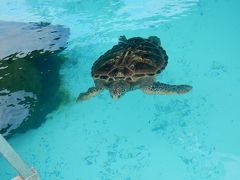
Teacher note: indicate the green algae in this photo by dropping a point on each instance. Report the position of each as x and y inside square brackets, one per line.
[38, 74]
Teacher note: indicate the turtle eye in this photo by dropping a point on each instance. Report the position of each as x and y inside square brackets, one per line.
[132, 66]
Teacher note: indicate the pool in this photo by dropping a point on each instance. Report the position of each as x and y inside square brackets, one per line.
[194, 136]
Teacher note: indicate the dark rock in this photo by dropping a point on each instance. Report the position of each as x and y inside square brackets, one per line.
[29, 74]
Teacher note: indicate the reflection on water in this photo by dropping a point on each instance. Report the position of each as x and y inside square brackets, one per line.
[29, 73]
[20, 39]
[14, 108]
[114, 13]
[93, 21]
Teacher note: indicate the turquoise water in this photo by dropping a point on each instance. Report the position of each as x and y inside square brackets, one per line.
[194, 136]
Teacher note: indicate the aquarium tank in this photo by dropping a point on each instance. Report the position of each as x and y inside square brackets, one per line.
[121, 89]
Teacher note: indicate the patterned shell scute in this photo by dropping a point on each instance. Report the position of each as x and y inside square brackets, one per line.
[130, 60]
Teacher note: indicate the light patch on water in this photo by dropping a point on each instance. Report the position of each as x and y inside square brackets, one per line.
[12, 109]
[20, 39]
[87, 20]
[231, 166]
[138, 10]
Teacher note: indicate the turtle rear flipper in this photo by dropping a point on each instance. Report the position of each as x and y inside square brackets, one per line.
[122, 39]
[91, 92]
[161, 88]
[155, 40]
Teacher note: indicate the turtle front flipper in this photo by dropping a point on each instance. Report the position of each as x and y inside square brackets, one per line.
[161, 88]
[91, 92]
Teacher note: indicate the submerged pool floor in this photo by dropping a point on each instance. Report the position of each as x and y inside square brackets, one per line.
[194, 136]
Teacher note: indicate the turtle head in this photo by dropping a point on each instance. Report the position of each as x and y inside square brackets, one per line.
[118, 89]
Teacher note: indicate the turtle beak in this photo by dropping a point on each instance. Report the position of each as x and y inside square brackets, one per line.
[117, 90]
[115, 97]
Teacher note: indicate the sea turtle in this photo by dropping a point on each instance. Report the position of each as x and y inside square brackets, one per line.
[132, 63]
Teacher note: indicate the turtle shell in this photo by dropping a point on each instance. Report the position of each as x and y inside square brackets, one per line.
[131, 60]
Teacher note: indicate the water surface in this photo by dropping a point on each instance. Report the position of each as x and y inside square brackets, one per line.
[191, 137]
